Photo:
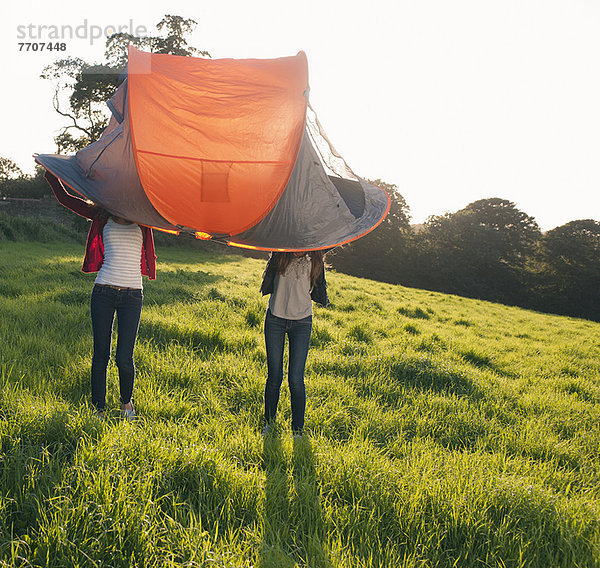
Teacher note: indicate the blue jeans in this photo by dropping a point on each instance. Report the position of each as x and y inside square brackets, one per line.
[128, 306]
[298, 332]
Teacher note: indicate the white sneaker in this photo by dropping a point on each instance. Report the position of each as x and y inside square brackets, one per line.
[128, 413]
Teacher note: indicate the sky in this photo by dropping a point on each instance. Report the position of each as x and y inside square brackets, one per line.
[449, 100]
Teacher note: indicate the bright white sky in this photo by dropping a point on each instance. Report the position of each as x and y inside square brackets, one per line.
[452, 101]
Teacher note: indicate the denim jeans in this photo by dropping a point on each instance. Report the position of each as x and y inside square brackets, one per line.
[298, 332]
[128, 306]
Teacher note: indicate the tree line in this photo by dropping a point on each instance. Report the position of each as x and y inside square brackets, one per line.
[489, 250]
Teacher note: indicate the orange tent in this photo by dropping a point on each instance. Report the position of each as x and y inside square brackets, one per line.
[223, 148]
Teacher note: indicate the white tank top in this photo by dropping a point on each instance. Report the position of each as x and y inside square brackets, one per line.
[122, 255]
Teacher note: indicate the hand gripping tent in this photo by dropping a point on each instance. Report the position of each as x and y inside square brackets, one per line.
[227, 149]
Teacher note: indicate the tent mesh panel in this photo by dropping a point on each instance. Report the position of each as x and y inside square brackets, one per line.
[333, 163]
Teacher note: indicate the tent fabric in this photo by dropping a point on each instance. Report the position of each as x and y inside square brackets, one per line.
[226, 148]
[303, 214]
[223, 135]
[105, 171]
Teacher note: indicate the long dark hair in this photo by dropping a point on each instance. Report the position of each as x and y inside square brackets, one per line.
[317, 259]
[102, 214]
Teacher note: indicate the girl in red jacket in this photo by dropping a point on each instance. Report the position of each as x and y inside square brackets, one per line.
[121, 252]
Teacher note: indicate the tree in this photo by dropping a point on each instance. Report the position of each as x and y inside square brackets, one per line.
[570, 257]
[82, 89]
[478, 251]
[573, 247]
[17, 184]
[173, 42]
[380, 254]
[506, 232]
[9, 169]
[398, 217]
[90, 86]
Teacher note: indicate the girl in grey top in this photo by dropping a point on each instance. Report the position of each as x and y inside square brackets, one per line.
[293, 280]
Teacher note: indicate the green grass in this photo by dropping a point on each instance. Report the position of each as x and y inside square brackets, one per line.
[442, 431]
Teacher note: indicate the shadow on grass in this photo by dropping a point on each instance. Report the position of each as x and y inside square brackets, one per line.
[427, 375]
[307, 513]
[293, 531]
[180, 286]
[415, 313]
[209, 489]
[483, 361]
[276, 520]
[174, 294]
[204, 340]
[73, 298]
[37, 449]
[388, 377]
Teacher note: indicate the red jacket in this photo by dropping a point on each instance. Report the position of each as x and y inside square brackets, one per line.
[94, 247]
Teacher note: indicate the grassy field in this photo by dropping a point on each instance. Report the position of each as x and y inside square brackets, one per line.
[441, 431]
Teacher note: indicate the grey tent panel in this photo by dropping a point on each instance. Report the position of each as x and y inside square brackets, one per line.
[313, 213]
[105, 171]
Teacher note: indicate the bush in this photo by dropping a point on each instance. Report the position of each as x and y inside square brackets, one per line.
[16, 228]
[25, 187]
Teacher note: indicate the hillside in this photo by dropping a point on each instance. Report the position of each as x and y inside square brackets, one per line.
[442, 431]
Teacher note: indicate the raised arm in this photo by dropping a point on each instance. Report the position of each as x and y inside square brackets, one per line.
[69, 201]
